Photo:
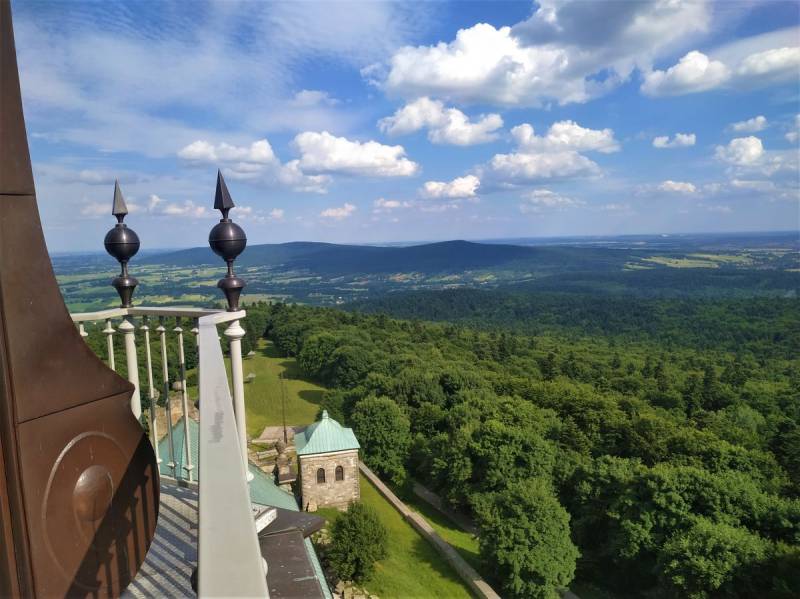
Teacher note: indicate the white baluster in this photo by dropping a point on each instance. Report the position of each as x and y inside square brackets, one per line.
[109, 332]
[126, 326]
[234, 333]
[82, 330]
[184, 401]
[162, 333]
[150, 391]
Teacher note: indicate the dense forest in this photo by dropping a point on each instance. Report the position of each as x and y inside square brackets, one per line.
[581, 442]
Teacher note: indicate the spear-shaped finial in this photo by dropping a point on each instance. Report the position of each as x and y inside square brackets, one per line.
[228, 240]
[122, 243]
[119, 209]
[222, 199]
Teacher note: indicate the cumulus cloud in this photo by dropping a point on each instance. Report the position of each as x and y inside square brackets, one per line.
[256, 163]
[565, 136]
[742, 151]
[556, 155]
[695, 72]
[445, 125]
[681, 140]
[543, 200]
[677, 187]
[754, 125]
[458, 188]
[339, 212]
[277, 213]
[157, 206]
[565, 52]
[326, 153]
[755, 61]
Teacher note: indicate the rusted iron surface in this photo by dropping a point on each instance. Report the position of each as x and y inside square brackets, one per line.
[79, 490]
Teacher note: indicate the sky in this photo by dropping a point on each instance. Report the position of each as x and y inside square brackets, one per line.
[378, 122]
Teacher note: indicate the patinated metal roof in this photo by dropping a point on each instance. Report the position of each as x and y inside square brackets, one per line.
[325, 436]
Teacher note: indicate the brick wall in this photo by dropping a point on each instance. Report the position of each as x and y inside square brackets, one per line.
[331, 493]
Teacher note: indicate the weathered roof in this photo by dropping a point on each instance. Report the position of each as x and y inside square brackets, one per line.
[263, 489]
[325, 436]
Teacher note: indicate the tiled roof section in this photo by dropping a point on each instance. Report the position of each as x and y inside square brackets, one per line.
[263, 489]
[325, 436]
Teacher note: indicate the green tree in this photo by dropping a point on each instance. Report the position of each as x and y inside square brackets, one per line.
[712, 559]
[384, 434]
[358, 540]
[525, 536]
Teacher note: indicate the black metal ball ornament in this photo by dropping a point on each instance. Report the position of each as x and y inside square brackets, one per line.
[122, 243]
[227, 240]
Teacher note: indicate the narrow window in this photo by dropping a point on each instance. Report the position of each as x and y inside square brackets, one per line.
[320, 476]
[339, 473]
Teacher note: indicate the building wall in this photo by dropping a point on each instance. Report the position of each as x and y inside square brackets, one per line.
[331, 493]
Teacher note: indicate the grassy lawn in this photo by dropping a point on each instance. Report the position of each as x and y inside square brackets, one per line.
[263, 394]
[463, 542]
[412, 568]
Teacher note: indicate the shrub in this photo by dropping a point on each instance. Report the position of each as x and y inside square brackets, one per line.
[358, 540]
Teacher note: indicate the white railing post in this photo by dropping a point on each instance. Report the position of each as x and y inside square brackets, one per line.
[109, 332]
[133, 365]
[187, 443]
[162, 334]
[150, 391]
[82, 330]
[234, 333]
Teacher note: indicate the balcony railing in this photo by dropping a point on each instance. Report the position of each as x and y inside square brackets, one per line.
[229, 559]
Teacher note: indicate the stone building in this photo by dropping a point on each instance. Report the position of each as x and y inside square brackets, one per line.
[328, 465]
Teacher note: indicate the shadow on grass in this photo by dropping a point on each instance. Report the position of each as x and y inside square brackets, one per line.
[423, 551]
[311, 395]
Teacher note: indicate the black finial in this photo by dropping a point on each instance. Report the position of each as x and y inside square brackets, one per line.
[122, 243]
[119, 209]
[222, 199]
[228, 240]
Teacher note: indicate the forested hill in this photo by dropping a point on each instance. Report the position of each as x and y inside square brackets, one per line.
[675, 472]
[446, 256]
[768, 327]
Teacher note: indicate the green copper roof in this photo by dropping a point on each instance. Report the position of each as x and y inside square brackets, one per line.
[263, 489]
[324, 436]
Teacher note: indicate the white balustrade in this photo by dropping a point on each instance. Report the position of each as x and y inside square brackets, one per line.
[126, 318]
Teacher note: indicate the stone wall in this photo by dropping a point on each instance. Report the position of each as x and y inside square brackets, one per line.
[331, 493]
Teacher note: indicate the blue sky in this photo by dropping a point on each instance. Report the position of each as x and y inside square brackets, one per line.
[379, 122]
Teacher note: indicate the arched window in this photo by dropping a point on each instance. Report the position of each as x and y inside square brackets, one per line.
[339, 473]
[320, 476]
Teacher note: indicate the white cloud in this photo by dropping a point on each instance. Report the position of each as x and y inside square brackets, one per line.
[717, 208]
[326, 153]
[554, 55]
[695, 72]
[259, 152]
[445, 125]
[742, 151]
[555, 155]
[339, 212]
[755, 61]
[565, 136]
[313, 97]
[382, 205]
[615, 207]
[754, 125]
[754, 185]
[681, 140]
[776, 63]
[677, 187]
[542, 200]
[458, 188]
[277, 213]
[254, 163]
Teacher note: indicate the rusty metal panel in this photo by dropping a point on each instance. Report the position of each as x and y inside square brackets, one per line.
[91, 507]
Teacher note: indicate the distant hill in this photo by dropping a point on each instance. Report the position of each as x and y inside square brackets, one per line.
[448, 256]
